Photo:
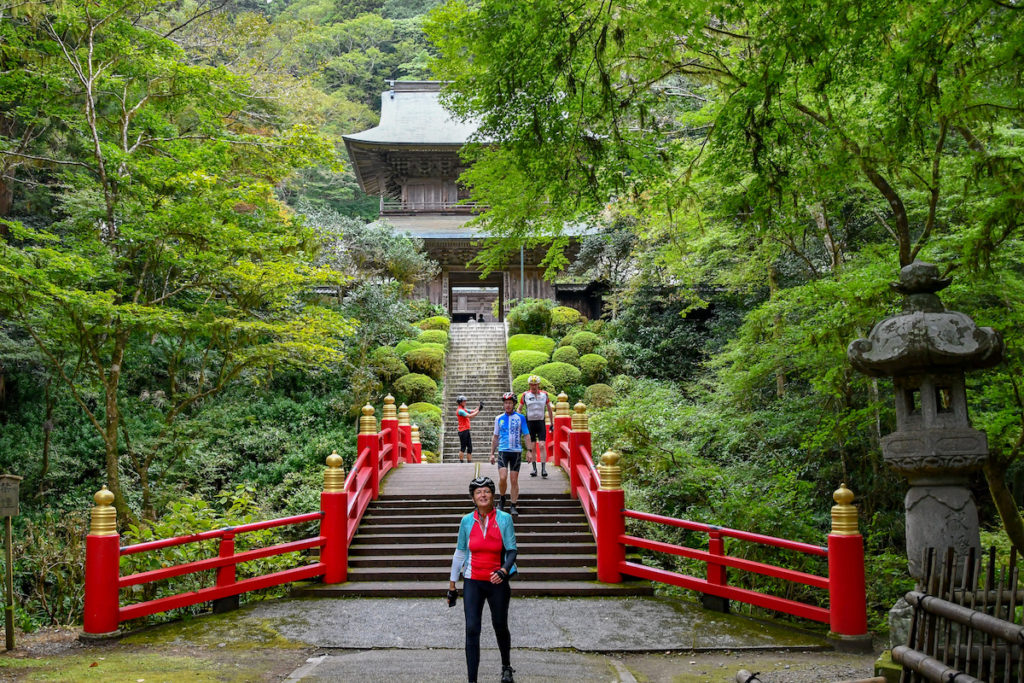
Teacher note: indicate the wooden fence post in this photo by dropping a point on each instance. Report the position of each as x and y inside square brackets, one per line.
[405, 428]
[389, 420]
[369, 438]
[579, 439]
[417, 447]
[563, 420]
[848, 619]
[610, 522]
[334, 523]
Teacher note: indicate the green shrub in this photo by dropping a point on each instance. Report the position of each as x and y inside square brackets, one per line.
[426, 361]
[406, 345]
[530, 342]
[430, 456]
[525, 361]
[423, 407]
[612, 352]
[414, 387]
[521, 384]
[585, 342]
[387, 364]
[437, 322]
[561, 375]
[433, 345]
[564, 318]
[623, 383]
[596, 326]
[598, 396]
[567, 339]
[592, 367]
[566, 354]
[433, 337]
[532, 316]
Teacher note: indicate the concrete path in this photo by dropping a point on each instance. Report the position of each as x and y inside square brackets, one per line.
[453, 479]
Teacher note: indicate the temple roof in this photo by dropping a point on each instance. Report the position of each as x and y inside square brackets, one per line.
[411, 114]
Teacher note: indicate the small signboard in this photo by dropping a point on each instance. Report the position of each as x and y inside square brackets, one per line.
[9, 495]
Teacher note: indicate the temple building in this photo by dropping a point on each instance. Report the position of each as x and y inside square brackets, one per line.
[411, 161]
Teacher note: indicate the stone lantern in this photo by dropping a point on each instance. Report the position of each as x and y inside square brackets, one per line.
[926, 349]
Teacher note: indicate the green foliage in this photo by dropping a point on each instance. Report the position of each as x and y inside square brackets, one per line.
[561, 375]
[525, 361]
[427, 361]
[428, 417]
[431, 457]
[433, 337]
[521, 384]
[415, 387]
[387, 364]
[592, 368]
[566, 354]
[530, 342]
[530, 316]
[406, 345]
[585, 342]
[436, 322]
[598, 396]
[564, 318]
[422, 407]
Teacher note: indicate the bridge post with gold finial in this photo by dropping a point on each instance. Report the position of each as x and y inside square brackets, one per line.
[417, 447]
[579, 441]
[848, 621]
[334, 523]
[389, 423]
[563, 424]
[611, 525]
[405, 429]
[368, 441]
[102, 568]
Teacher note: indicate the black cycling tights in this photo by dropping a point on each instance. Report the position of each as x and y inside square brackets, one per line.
[475, 592]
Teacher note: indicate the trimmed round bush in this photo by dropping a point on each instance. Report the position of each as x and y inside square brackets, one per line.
[426, 361]
[567, 339]
[429, 422]
[525, 361]
[561, 375]
[521, 384]
[433, 337]
[623, 383]
[423, 407]
[592, 367]
[530, 342]
[612, 353]
[387, 364]
[414, 387]
[598, 396]
[566, 354]
[596, 326]
[436, 322]
[431, 457]
[530, 317]
[564, 318]
[585, 342]
[406, 345]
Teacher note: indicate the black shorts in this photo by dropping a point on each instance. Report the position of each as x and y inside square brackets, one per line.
[465, 442]
[512, 460]
[538, 430]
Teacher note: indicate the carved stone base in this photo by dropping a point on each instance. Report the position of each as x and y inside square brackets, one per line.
[939, 517]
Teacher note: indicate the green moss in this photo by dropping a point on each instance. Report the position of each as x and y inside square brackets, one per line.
[561, 375]
[530, 342]
[414, 387]
[566, 354]
[426, 361]
[525, 361]
[437, 322]
[592, 368]
[433, 337]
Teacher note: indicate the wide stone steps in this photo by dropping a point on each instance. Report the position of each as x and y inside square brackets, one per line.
[404, 545]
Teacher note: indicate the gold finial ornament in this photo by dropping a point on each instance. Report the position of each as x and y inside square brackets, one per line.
[403, 416]
[389, 408]
[334, 475]
[103, 517]
[580, 422]
[844, 515]
[610, 472]
[562, 407]
[414, 433]
[367, 422]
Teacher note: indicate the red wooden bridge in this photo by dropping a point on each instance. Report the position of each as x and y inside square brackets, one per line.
[340, 563]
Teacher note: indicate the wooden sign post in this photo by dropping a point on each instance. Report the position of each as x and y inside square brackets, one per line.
[8, 509]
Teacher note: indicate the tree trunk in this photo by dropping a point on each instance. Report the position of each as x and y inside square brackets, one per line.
[773, 289]
[995, 475]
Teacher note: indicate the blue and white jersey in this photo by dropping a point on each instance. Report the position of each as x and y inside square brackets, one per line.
[510, 430]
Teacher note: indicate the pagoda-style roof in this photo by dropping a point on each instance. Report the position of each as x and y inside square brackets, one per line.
[412, 121]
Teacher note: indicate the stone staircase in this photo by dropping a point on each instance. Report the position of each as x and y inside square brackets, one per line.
[404, 549]
[477, 366]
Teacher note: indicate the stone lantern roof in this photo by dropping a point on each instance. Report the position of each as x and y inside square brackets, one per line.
[925, 337]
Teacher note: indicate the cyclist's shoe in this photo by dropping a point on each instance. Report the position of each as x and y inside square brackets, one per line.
[501, 503]
[533, 473]
[514, 511]
[544, 472]
[506, 674]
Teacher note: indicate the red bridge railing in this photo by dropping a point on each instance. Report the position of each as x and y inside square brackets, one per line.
[599, 490]
[342, 504]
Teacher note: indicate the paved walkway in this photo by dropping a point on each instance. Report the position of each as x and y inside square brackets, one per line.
[453, 479]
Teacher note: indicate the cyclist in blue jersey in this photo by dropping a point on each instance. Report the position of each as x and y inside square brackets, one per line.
[510, 435]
